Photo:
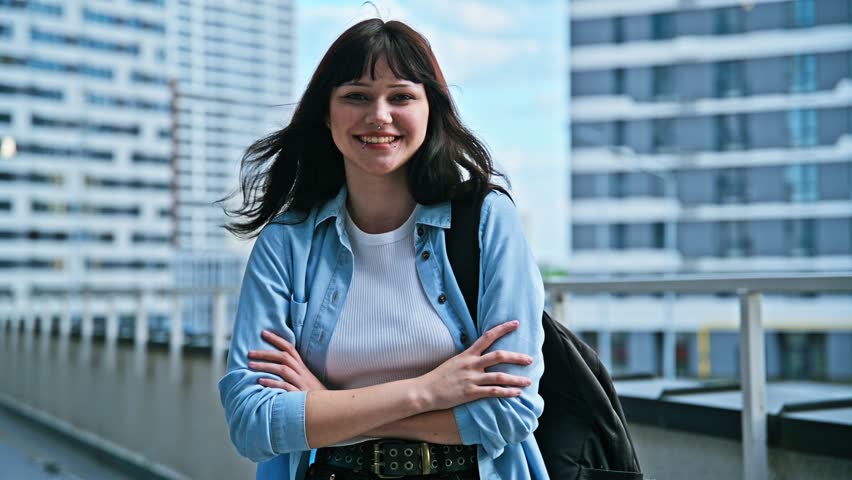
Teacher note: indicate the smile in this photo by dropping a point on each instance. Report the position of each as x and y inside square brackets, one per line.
[378, 140]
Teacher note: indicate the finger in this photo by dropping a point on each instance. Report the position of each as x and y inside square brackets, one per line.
[273, 356]
[502, 356]
[282, 371]
[277, 341]
[482, 343]
[504, 380]
[268, 382]
[495, 392]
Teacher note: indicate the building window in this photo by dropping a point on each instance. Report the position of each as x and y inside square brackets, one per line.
[618, 29]
[664, 84]
[802, 125]
[803, 355]
[619, 136]
[731, 132]
[683, 354]
[658, 231]
[734, 240]
[620, 352]
[803, 78]
[801, 235]
[730, 80]
[617, 188]
[731, 186]
[618, 80]
[804, 13]
[662, 26]
[802, 183]
[729, 21]
[618, 241]
[663, 139]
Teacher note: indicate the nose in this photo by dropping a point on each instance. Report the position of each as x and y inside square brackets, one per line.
[380, 114]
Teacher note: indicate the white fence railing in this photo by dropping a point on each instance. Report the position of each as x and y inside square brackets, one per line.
[749, 288]
[41, 311]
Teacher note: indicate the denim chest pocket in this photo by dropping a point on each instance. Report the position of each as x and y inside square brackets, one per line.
[297, 312]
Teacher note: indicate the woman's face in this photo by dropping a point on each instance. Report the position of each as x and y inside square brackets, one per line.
[378, 124]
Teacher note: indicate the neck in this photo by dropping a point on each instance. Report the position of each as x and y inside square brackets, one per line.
[379, 205]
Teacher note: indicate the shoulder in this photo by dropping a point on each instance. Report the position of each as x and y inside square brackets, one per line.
[498, 208]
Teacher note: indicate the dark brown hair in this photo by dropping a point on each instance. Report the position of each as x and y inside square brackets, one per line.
[299, 167]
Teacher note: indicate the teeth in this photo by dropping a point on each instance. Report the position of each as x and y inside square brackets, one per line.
[377, 139]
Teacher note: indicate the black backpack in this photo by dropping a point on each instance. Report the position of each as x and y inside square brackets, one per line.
[582, 433]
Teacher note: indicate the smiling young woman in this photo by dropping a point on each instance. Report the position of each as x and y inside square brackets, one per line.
[352, 336]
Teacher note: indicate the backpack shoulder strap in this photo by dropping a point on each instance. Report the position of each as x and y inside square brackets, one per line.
[462, 240]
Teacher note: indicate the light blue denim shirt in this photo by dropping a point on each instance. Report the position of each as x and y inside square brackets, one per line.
[295, 285]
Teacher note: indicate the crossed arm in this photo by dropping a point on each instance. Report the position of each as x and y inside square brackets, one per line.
[418, 408]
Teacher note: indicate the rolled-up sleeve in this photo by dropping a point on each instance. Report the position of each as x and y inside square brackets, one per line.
[511, 288]
[263, 422]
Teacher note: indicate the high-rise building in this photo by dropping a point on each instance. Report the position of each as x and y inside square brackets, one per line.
[712, 137]
[86, 201]
[122, 123]
[232, 65]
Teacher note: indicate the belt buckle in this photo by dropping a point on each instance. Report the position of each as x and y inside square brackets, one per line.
[378, 452]
[425, 458]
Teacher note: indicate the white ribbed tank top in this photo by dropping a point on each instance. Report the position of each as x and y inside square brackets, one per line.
[387, 328]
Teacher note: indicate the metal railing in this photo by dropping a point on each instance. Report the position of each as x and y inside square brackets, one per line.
[44, 308]
[750, 289]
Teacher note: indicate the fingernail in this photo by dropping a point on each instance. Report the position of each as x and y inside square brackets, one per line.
[515, 323]
[264, 332]
[529, 360]
[252, 364]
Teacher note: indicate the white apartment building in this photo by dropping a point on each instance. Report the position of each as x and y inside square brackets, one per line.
[123, 122]
[232, 64]
[86, 201]
[713, 136]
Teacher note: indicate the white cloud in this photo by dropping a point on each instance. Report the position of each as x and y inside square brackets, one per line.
[464, 55]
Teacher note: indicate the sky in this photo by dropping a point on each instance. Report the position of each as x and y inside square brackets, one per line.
[504, 61]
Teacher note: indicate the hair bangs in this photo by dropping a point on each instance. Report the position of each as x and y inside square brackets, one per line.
[405, 60]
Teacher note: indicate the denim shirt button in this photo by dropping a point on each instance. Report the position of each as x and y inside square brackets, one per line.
[420, 231]
[425, 256]
[463, 338]
[442, 299]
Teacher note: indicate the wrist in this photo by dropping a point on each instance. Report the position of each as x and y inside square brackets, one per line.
[419, 397]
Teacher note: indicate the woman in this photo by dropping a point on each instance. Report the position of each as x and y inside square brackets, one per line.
[352, 336]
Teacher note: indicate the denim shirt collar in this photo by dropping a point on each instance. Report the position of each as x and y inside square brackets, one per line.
[437, 215]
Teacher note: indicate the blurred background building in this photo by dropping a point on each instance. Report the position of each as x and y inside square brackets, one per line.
[123, 123]
[232, 75]
[86, 198]
[714, 137]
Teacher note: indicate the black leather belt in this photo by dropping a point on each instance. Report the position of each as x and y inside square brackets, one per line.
[400, 458]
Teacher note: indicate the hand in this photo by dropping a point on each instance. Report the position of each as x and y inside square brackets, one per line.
[285, 363]
[463, 378]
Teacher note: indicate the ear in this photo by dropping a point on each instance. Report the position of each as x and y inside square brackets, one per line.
[328, 123]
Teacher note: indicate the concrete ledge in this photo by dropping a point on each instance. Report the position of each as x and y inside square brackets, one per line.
[122, 459]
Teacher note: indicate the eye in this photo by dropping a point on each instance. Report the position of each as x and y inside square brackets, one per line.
[355, 97]
[402, 98]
